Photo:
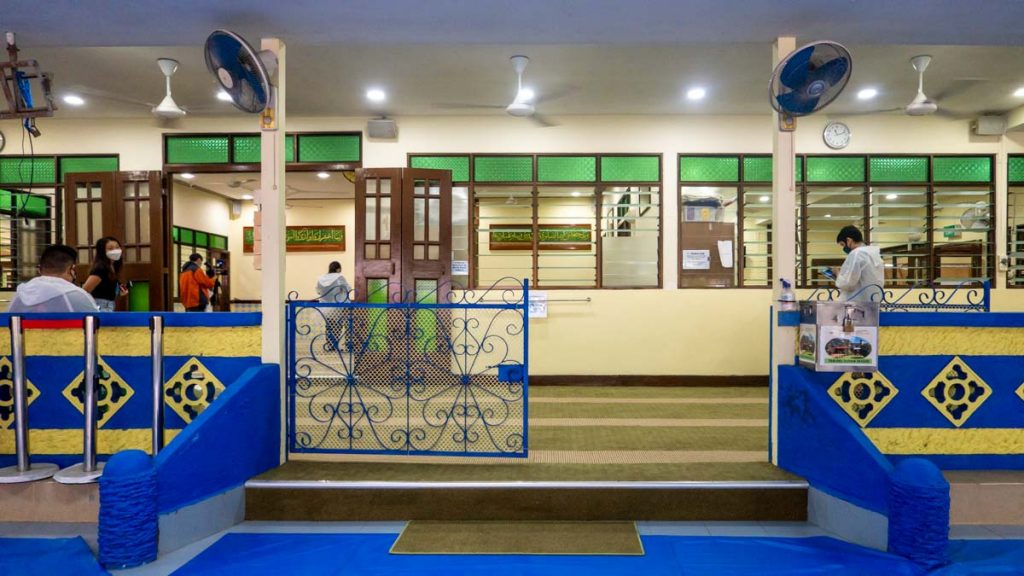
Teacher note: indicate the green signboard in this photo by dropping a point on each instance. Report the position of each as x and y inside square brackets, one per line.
[305, 239]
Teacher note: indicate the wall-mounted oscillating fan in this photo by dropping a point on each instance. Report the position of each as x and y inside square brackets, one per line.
[241, 71]
[809, 79]
[976, 217]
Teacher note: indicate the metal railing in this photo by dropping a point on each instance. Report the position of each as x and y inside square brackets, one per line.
[953, 296]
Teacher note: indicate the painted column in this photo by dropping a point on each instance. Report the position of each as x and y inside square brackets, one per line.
[999, 215]
[783, 242]
[272, 213]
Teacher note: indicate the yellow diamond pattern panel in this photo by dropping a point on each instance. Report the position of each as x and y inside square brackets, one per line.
[862, 395]
[957, 391]
[7, 393]
[192, 389]
[1020, 391]
[112, 392]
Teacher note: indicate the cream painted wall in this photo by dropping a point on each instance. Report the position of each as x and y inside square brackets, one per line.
[201, 210]
[665, 331]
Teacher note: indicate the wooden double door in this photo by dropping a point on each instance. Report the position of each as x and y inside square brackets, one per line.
[132, 207]
[403, 234]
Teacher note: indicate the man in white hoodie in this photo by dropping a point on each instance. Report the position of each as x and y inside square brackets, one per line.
[53, 290]
[862, 276]
[332, 287]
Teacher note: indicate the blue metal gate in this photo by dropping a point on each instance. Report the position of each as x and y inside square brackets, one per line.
[423, 375]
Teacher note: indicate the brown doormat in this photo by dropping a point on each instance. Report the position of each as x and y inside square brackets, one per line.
[540, 538]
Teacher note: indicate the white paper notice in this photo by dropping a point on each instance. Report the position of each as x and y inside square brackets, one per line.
[696, 259]
[725, 253]
[538, 304]
[460, 268]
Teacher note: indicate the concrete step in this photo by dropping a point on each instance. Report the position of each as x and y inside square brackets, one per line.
[986, 497]
[49, 501]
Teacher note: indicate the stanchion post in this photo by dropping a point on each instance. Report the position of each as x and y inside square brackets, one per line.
[89, 470]
[156, 329]
[23, 470]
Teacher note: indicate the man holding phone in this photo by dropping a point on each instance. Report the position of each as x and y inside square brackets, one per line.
[863, 267]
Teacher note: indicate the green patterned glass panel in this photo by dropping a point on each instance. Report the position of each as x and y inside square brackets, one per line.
[187, 237]
[22, 204]
[70, 165]
[175, 233]
[757, 168]
[202, 239]
[503, 169]
[24, 170]
[630, 169]
[1015, 171]
[709, 169]
[962, 169]
[425, 321]
[566, 168]
[197, 150]
[799, 168]
[138, 297]
[218, 242]
[458, 165]
[835, 169]
[377, 290]
[247, 149]
[329, 148]
[899, 169]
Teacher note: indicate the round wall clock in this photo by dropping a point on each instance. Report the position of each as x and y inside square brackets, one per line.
[3, 141]
[836, 135]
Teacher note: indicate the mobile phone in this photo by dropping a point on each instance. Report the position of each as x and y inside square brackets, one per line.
[827, 272]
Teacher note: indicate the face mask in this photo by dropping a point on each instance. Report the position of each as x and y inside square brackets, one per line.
[114, 255]
[846, 250]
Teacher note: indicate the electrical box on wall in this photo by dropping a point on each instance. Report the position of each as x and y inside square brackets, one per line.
[989, 125]
[382, 128]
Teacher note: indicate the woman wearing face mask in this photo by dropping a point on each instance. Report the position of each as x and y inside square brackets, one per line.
[104, 281]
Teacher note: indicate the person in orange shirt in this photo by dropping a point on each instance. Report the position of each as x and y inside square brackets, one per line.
[194, 285]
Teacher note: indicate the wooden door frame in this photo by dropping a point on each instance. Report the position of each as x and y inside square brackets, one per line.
[444, 261]
[376, 267]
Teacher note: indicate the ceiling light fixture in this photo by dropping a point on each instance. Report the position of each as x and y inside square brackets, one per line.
[376, 95]
[576, 193]
[696, 93]
[74, 100]
[525, 95]
[323, 175]
[867, 94]
[828, 215]
[764, 198]
[246, 196]
[1019, 92]
[188, 175]
[223, 96]
[891, 196]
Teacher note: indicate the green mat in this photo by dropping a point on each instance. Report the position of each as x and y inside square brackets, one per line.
[538, 538]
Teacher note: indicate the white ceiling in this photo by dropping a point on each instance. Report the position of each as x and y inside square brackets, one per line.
[301, 185]
[611, 56]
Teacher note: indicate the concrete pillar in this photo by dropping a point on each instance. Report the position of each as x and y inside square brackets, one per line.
[272, 231]
[783, 242]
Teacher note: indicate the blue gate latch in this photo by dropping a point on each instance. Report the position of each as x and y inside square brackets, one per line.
[510, 372]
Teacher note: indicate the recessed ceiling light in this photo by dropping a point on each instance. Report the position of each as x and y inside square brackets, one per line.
[376, 95]
[828, 215]
[246, 196]
[764, 198]
[223, 96]
[188, 175]
[323, 175]
[74, 100]
[891, 196]
[867, 94]
[1019, 92]
[696, 93]
[526, 94]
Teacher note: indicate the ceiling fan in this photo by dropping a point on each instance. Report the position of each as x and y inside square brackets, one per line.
[921, 105]
[166, 110]
[524, 104]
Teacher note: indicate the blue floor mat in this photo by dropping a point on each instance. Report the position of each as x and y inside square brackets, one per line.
[38, 556]
[984, 558]
[367, 554]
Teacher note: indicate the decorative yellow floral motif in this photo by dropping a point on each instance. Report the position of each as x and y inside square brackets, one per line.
[7, 393]
[957, 391]
[112, 392]
[862, 395]
[191, 390]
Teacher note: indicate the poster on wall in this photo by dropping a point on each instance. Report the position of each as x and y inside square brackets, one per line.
[304, 239]
[808, 344]
[460, 268]
[841, 349]
[696, 259]
[538, 305]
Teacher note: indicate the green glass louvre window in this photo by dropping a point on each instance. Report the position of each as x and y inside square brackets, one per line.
[1015, 171]
[759, 168]
[458, 165]
[187, 236]
[202, 239]
[962, 169]
[630, 169]
[25, 170]
[503, 169]
[329, 148]
[197, 150]
[247, 149]
[22, 204]
[175, 233]
[218, 242]
[566, 168]
[835, 169]
[709, 169]
[73, 164]
[899, 169]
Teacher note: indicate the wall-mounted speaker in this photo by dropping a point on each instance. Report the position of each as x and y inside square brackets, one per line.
[382, 128]
[236, 209]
